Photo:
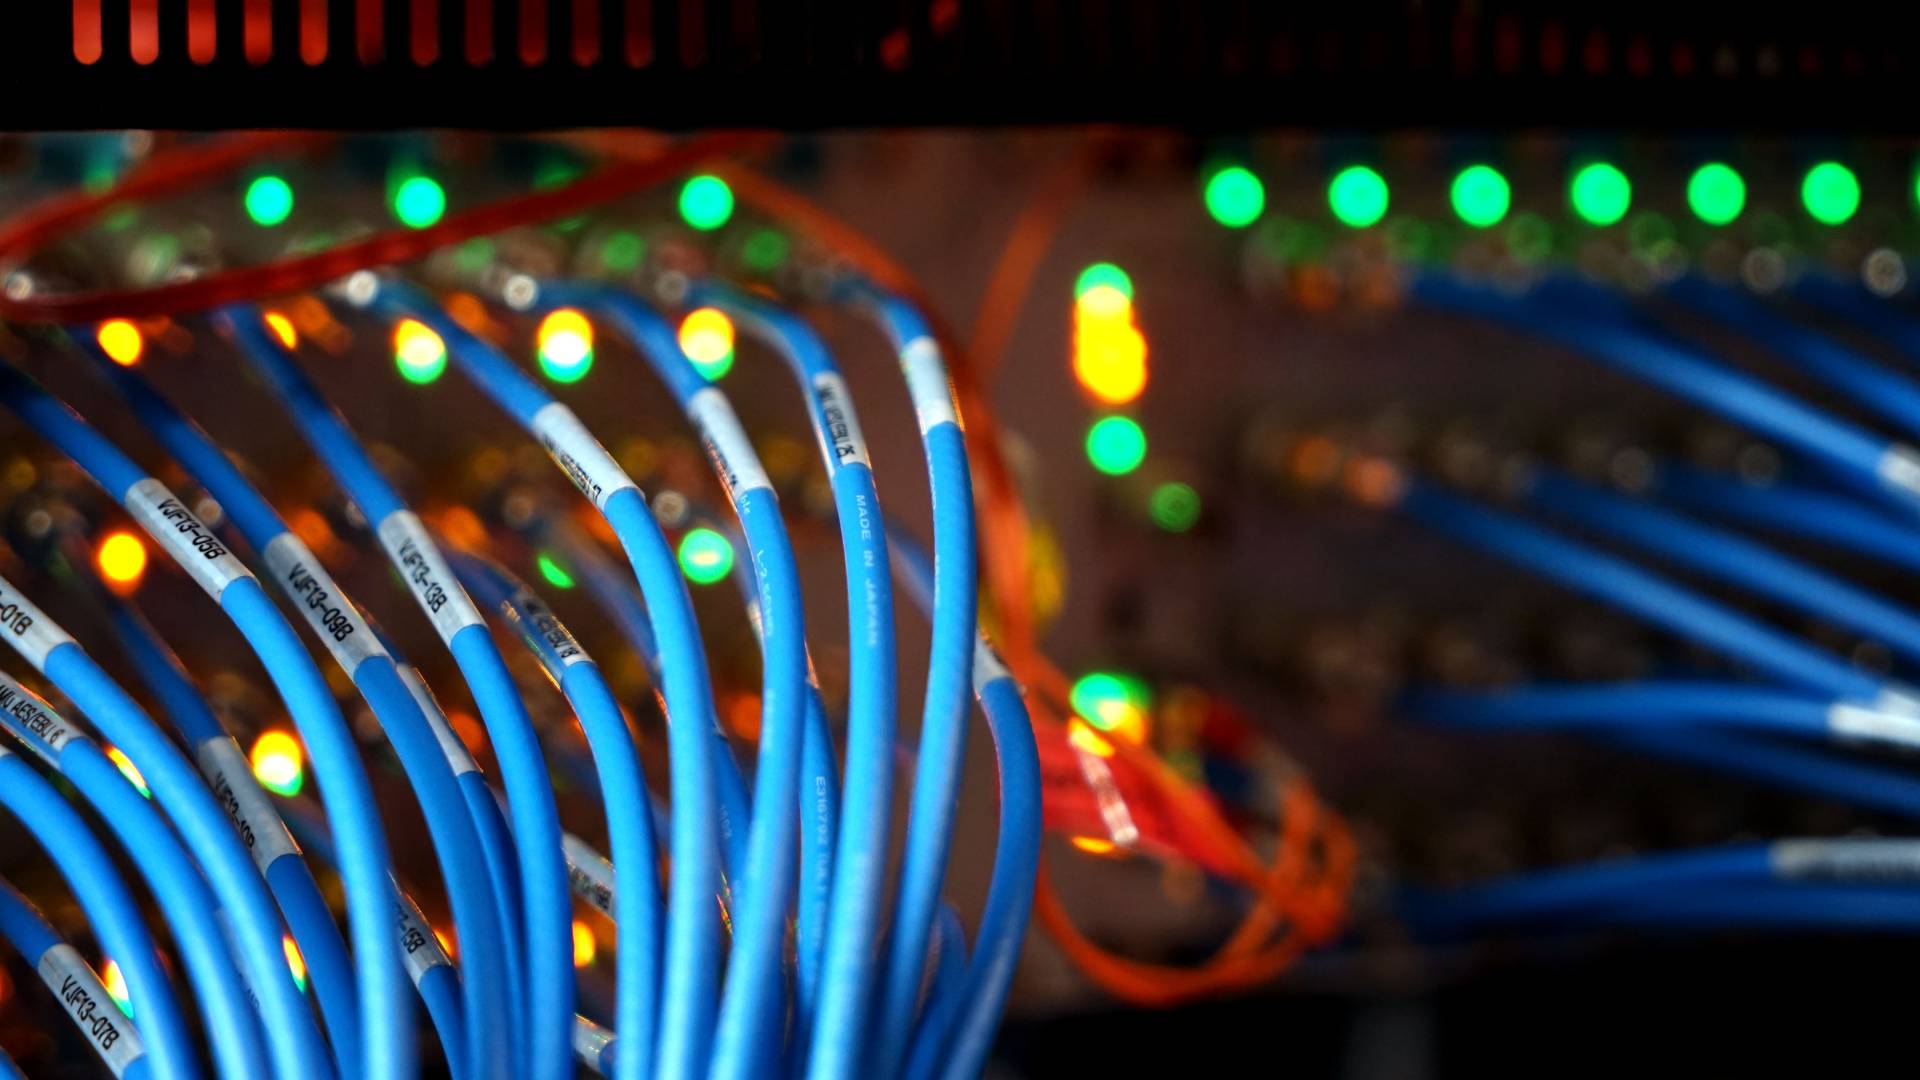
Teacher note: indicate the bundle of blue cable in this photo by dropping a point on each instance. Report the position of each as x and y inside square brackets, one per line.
[542, 1048]
[749, 1023]
[337, 624]
[388, 1049]
[693, 949]
[188, 905]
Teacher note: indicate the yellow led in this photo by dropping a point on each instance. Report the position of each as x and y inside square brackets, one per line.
[116, 986]
[1110, 361]
[121, 341]
[277, 763]
[282, 328]
[1083, 737]
[122, 560]
[585, 948]
[706, 335]
[125, 764]
[1093, 845]
[296, 963]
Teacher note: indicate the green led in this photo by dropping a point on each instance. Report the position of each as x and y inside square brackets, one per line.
[1235, 197]
[1116, 445]
[1831, 193]
[765, 251]
[1716, 194]
[269, 201]
[1480, 196]
[420, 356]
[1103, 273]
[1357, 196]
[705, 556]
[551, 570]
[1174, 506]
[566, 359]
[1105, 698]
[1600, 193]
[419, 201]
[623, 251]
[713, 370]
[706, 202]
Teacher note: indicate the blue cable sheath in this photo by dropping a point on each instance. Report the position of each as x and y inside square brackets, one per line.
[329, 971]
[110, 908]
[844, 1039]
[636, 899]
[455, 841]
[1858, 783]
[31, 936]
[750, 1022]
[184, 900]
[960, 1050]
[300, 1051]
[1859, 455]
[947, 985]
[1828, 908]
[1629, 706]
[1590, 885]
[1730, 557]
[1829, 517]
[547, 905]
[693, 946]
[1876, 315]
[1890, 394]
[1625, 585]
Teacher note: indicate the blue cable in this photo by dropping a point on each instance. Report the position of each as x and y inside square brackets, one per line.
[841, 1043]
[115, 916]
[945, 989]
[693, 946]
[1631, 707]
[329, 971]
[1858, 783]
[1589, 886]
[337, 623]
[1830, 517]
[1876, 315]
[184, 899]
[1627, 586]
[1867, 461]
[1888, 393]
[547, 910]
[75, 984]
[388, 1046]
[636, 900]
[1728, 556]
[961, 1051]
[748, 1029]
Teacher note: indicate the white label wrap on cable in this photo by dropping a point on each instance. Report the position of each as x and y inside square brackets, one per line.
[838, 428]
[66, 974]
[44, 731]
[1857, 722]
[543, 632]
[579, 454]
[27, 628]
[1899, 469]
[927, 384]
[419, 948]
[589, 873]
[726, 442]
[590, 1042]
[459, 759]
[986, 665]
[234, 787]
[426, 572]
[190, 541]
[318, 599]
[1847, 860]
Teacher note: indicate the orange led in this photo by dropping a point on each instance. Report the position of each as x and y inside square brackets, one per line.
[122, 560]
[706, 335]
[585, 948]
[121, 341]
[282, 328]
[1093, 845]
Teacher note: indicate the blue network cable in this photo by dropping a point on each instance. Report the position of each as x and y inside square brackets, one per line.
[958, 1049]
[635, 906]
[1869, 462]
[67, 976]
[1830, 517]
[387, 1047]
[421, 565]
[693, 947]
[952, 611]
[1858, 783]
[944, 989]
[845, 1039]
[175, 882]
[747, 1032]
[224, 765]
[338, 625]
[1876, 315]
[1890, 394]
[1668, 706]
[1626, 585]
[161, 1048]
[1728, 556]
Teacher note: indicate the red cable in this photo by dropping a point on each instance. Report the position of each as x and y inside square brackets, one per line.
[177, 170]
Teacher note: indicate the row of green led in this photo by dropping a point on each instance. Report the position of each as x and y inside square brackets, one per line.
[418, 201]
[1599, 192]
